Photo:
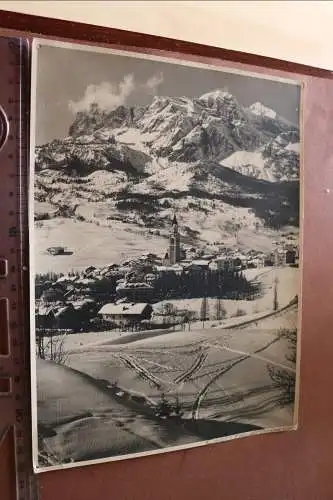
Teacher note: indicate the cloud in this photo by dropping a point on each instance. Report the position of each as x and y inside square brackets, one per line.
[107, 95]
[154, 82]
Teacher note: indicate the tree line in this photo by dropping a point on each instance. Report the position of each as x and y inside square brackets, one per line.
[222, 284]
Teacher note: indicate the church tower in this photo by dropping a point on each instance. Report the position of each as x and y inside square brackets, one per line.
[174, 243]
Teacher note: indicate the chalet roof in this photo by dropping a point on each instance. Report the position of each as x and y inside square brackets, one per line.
[78, 304]
[85, 281]
[280, 251]
[55, 310]
[44, 310]
[201, 263]
[64, 279]
[123, 309]
[162, 268]
[177, 268]
[207, 257]
[131, 286]
[169, 269]
[62, 310]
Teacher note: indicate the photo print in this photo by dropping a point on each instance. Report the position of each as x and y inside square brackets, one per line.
[165, 278]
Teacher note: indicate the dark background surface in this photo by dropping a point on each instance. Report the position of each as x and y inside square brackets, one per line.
[293, 465]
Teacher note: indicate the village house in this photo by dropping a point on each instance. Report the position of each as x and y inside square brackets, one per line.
[109, 270]
[44, 316]
[125, 314]
[150, 279]
[164, 270]
[291, 256]
[199, 265]
[67, 279]
[208, 257]
[58, 251]
[54, 293]
[135, 292]
[149, 259]
[221, 263]
[89, 272]
[58, 316]
[255, 262]
[239, 262]
[285, 256]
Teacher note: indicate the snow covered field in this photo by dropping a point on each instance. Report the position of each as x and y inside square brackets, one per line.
[91, 245]
[219, 376]
[288, 288]
[113, 241]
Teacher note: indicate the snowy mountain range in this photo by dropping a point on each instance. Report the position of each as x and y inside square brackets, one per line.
[209, 156]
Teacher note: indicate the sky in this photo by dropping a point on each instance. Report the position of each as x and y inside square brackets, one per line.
[69, 80]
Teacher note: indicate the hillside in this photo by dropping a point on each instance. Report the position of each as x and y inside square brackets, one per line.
[222, 167]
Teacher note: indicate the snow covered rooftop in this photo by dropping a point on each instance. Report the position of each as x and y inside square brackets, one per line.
[123, 309]
[170, 269]
[126, 285]
[202, 263]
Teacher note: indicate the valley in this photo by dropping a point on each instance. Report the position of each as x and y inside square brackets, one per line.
[166, 261]
[209, 160]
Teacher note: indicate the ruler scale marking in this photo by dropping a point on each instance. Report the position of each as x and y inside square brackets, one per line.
[15, 406]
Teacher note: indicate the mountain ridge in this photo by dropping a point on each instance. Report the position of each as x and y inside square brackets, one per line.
[194, 155]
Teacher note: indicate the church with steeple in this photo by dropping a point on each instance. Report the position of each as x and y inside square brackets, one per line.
[174, 254]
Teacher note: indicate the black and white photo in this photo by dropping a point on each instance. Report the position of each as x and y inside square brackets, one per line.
[165, 253]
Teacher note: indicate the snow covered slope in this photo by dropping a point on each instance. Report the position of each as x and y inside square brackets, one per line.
[219, 165]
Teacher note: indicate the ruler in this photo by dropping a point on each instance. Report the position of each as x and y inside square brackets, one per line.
[15, 424]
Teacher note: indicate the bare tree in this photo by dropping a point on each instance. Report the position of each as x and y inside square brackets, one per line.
[204, 311]
[291, 336]
[168, 311]
[238, 313]
[188, 317]
[220, 310]
[283, 378]
[51, 347]
[178, 408]
[275, 296]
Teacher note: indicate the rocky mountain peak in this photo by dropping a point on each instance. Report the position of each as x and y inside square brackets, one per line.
[130, 163]
[180, 129]
[89, 121]
[212, 98]
[257, 108]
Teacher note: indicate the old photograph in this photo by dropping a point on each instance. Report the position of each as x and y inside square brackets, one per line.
[165, 253]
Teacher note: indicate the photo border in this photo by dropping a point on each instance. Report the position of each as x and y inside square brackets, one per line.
[179, 59]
